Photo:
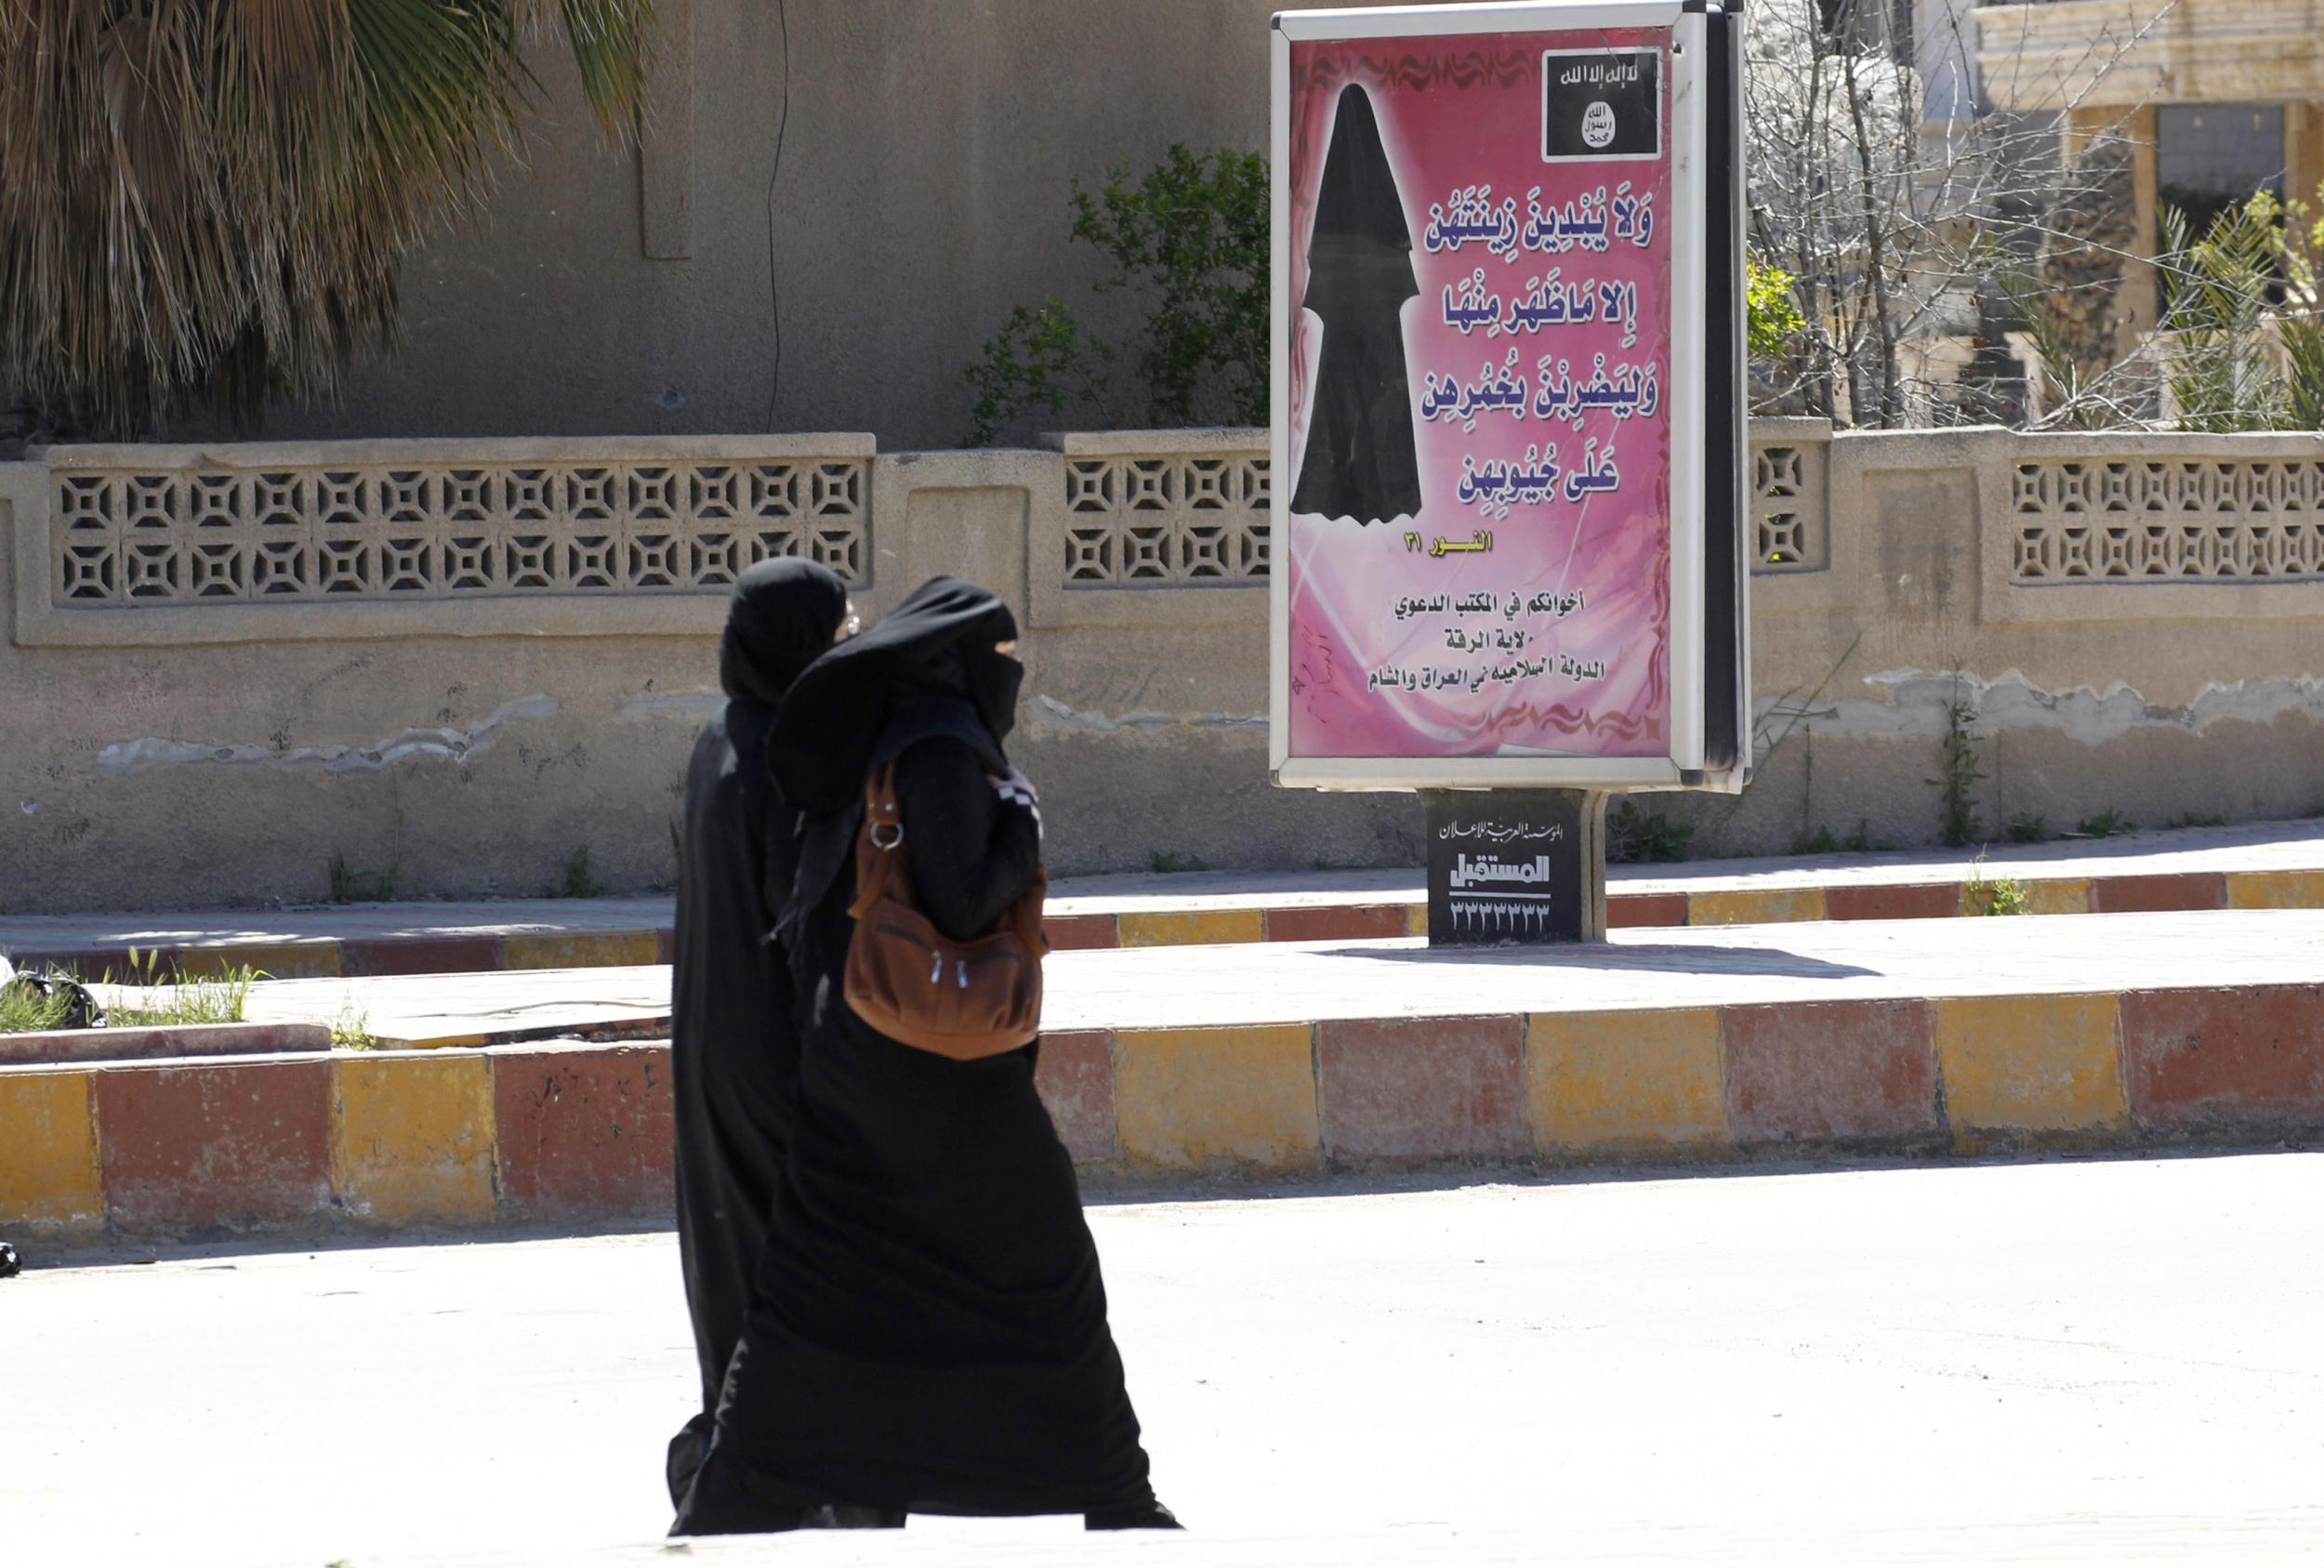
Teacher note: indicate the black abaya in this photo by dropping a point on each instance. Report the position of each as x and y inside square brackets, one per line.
[929, 1330]
[734, 1047]
[1360, 461]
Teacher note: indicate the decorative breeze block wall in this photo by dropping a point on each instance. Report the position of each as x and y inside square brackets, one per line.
[1789, 514]
[183, 536]
[1165, 521]
[2154, 520]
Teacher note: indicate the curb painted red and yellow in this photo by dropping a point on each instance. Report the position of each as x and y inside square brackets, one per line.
[571, 1132]
[1205, 924]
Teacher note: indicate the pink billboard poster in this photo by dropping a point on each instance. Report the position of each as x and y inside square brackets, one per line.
[1478, 533]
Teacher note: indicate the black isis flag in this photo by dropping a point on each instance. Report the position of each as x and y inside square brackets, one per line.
[1360, 462]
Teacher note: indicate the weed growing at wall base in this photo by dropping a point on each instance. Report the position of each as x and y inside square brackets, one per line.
[1958, 775]
[574, 879]
[349, 886]
[1633, 837]
[1821, 841]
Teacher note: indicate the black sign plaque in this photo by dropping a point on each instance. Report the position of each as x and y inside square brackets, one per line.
[1514, 866]
[1600, 103]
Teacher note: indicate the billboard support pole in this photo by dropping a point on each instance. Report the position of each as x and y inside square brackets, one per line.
[1511, 865]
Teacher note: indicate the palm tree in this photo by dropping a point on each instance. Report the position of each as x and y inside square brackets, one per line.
[207, 200]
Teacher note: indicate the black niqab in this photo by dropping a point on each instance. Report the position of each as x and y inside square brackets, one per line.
[937, 645]
[783, 616]
[1360, 460]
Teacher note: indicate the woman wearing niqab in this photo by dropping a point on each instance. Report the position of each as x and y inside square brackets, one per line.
[929, 1332]
[734, 1037]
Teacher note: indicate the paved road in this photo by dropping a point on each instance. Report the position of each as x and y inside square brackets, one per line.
[2104, 1362]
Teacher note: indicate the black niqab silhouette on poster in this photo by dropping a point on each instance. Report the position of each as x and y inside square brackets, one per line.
[1360, 461]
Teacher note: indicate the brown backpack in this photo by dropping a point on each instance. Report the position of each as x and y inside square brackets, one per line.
[965, 1000]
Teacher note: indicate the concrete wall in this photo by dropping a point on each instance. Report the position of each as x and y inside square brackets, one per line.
[466, 661]
[2131, 622]
[928, 152]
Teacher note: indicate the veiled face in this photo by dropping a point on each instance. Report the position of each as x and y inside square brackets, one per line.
[1597, 124]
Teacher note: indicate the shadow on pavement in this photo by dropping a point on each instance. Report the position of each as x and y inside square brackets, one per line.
[1673, 958]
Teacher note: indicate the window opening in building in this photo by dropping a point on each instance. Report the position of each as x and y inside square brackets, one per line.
[2213, 157]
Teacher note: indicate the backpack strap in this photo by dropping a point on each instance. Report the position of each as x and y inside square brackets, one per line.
[880, 851]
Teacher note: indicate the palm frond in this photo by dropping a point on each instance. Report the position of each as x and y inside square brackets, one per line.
[209, 198]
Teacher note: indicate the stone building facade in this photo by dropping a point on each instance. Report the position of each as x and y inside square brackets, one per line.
[2214, 98]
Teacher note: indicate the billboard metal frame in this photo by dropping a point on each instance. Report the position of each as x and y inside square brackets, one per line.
[1697, 178]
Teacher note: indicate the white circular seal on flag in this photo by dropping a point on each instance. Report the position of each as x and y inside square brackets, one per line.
[1597, 124]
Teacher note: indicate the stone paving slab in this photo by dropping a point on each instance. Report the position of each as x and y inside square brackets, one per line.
[2277, 865]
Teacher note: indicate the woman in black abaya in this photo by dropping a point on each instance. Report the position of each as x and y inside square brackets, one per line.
[733, 1041]
[928, 1333]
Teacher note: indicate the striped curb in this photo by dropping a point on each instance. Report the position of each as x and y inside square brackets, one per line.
[571, 1132]
[183, 1039]
[358, 958]
[366, 1140]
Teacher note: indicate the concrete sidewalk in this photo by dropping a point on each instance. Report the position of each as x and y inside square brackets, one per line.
[2097, 1363]
[2265, 865]
[1261, 983]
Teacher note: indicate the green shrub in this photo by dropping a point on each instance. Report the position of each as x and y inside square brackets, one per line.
[1190, 239]
[1772, 313]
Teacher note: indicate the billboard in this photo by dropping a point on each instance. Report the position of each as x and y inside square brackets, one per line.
[1507, 543]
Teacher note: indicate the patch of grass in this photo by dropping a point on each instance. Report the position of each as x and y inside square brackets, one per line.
[28, 1009]
[351, 1031]
[1958, 775]
[167, 999]
[2026, 828]
[2107, 823]
[2192, 819]
[1169, 862]
[1995, 895]
[1634, 837]
[350, 886]
[574, 878]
